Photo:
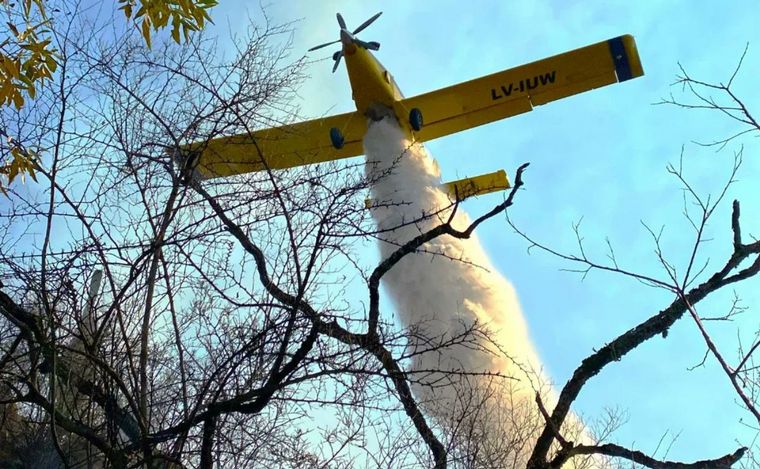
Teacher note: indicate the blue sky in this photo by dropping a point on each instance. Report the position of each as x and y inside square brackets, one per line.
[600, 156]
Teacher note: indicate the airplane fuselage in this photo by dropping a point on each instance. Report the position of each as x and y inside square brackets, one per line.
[374, 90]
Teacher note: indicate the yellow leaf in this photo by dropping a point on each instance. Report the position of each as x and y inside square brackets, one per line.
[41, 7]
[5, 89]
[24, 34]
[13, 28]
[127, 10]
[18, 100]
[14, 67]
[146, 31]
[50, 63]
[30, 171]
[27, 80]
[12, 171]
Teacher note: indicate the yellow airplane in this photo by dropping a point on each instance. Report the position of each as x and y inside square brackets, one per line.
[424, 117]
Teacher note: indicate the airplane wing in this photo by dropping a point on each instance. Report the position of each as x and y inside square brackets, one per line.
[279, 147]
[518, 89]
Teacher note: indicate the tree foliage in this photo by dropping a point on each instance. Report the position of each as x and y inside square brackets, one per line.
[183, 16]
[28, 57]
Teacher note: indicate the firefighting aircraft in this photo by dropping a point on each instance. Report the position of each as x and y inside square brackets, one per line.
[424, 117]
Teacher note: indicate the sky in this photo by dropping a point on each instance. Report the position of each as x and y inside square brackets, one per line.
[599, 157]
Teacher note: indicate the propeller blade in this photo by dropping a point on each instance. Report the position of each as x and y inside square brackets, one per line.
[366, 23]
[337, 62]
[341, 22]
[324, 45]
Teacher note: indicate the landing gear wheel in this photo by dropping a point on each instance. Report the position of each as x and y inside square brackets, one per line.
[415, 119]
[336, 137]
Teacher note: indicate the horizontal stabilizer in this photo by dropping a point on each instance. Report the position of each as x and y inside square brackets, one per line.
[478, 185]
[468, 187]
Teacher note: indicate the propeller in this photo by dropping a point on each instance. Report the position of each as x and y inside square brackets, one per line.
[336, 58]
[363, 25]
[350, 36]
[324, 45]
[341, 22]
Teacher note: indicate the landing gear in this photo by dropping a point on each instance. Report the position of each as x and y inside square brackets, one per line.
[415, 119]
[336, 137]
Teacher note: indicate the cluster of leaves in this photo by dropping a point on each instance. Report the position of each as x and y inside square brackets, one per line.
[26, 61]
[27, 58]
[185, 16]
[21, 162]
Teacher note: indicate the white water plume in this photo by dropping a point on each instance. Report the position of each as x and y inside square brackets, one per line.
[443, 291]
